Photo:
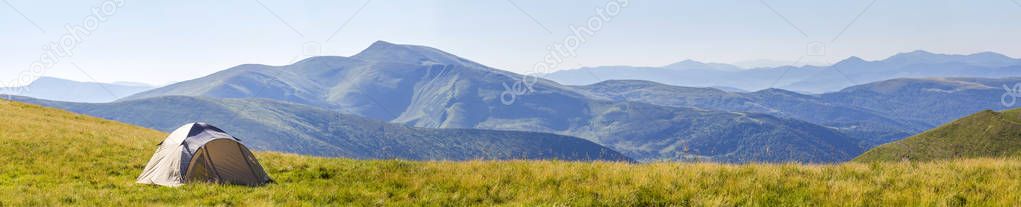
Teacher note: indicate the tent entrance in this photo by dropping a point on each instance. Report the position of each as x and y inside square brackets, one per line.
[224, 161]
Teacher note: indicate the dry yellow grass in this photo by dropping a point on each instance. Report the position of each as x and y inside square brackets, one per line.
[51, 157]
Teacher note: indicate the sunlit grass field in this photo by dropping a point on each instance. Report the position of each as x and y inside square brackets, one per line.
[51, 157]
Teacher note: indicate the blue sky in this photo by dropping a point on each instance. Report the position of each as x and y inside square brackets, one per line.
[162, 41]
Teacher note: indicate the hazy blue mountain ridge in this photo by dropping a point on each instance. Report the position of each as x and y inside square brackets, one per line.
[814, 79]
[425, 87]
[75, 91]
[875, 113]
[866, 125]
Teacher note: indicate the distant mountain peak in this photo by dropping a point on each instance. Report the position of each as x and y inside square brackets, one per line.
[853, 60]
[689, 61]
[383, 51]
[988, 54]
[380, 46]
[44, 79]
[984, 59]
[54, 88]
[693, 64]
[685, 63]
[919, 52]
[381, 43]
[913, 55]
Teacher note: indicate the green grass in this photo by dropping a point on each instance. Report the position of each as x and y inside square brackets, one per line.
[51, 157]
[983, 134]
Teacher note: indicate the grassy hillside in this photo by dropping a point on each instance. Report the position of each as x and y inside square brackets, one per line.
[984, 134]
[51, 157]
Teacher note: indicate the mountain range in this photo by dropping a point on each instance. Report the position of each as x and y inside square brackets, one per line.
[68, 90]
[425, 87]
[809, 79]
[874, 113]
[382, 96]
[867, 126]
[279, 126]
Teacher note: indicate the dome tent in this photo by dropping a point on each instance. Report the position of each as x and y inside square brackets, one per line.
[199, 152]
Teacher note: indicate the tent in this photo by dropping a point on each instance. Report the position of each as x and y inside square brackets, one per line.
[200, 152]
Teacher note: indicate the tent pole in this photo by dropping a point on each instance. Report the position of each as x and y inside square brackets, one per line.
[247, 161]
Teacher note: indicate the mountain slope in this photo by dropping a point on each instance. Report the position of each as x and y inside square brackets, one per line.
[814, 79]
[55, 158]
[74, 91]
[286, 127]
[871, 127]
[932, 101]
[876, 112]
[425, 87]
[984, 134]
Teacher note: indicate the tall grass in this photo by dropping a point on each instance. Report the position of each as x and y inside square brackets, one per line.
[51, 157]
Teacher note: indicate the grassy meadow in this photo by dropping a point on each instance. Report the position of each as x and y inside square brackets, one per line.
[51, 157]
[983, 134]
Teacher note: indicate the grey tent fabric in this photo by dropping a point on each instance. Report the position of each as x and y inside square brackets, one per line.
[200, 152]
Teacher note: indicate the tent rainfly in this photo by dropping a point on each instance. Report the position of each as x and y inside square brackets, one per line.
[199, 152]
